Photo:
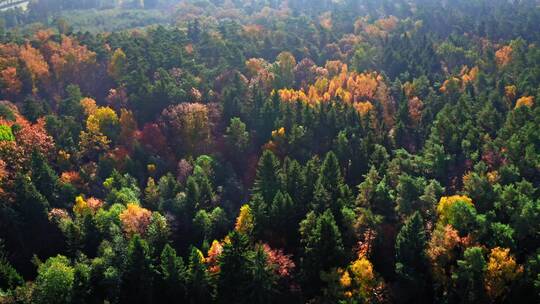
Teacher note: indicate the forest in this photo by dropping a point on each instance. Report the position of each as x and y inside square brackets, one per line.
[270, 151]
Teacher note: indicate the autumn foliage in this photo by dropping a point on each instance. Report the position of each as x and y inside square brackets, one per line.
[527, 101]
[359, 280]
[347, 87]
[446, 202]
[337, 84]
[35, 62]
[502, 270]
[188, 126]
[282, 263]
[244, 221]
[443, 249]
[503, 56]
[69, 57]
[11, 83]
[135, 219]
[270, 151]
[213, 255]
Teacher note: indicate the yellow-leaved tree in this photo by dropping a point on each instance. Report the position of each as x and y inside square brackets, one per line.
[445, 206]
[359, 281]
[502, 270]
[244, 221]
[81, 207]
[118, 65]
[102, 125]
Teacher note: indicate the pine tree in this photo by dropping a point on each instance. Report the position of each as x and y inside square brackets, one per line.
[44, 178]
[206, 191]
[322, 247]
[31, 210]
[295, 181]
[236, 135]
[173, 277]
[330, 189]
[9, 277]
[267, 182]
[193, 196]
[283, 218]
[168, 187]
[411, 262]
[234, 96]
[138, 277]
[151, 194]
[71, 105]
[330, 177]
[262, 287]
[409, 190]
[82, 288]
[199, 288]
[234, 264]
[469, 276]
[202, 225]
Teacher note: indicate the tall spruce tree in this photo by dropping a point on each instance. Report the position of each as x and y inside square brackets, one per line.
[234, 265]
[322, 248]
[138, 277]
[267, 181]
[411, 261]
[45, 179]
[173, 277]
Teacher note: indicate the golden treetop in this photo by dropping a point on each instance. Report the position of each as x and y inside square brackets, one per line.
[501, 271]
[349, 87]
[510, 91]
[359, 280]
[525, 101]
[447, 201]
[244, 221]
[135, 219]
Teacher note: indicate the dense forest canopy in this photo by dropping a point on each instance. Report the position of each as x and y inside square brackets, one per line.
[265, 151]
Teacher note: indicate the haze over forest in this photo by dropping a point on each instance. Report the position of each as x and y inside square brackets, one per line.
[269, 151]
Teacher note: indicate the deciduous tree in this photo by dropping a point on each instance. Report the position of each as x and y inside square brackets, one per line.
[501, 272]
[135, 219]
